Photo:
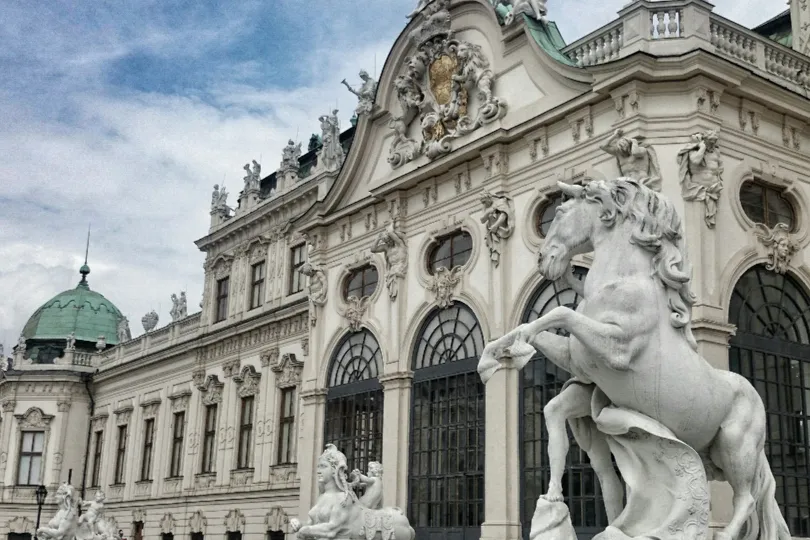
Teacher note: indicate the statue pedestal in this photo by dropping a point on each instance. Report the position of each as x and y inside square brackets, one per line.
[551, 521]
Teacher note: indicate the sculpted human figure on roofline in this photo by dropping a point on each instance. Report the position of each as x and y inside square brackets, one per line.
[641, 392]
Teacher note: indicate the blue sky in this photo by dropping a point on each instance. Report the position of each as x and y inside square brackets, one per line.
[124, 114]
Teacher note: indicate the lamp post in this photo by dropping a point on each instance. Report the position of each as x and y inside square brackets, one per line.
[41, 492]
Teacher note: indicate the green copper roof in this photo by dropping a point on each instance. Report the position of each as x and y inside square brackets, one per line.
[79, 310]
[548, 36]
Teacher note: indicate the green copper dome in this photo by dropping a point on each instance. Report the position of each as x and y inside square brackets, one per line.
[79, 310]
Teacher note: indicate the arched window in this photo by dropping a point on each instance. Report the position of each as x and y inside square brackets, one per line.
[361, 282]
[545, 214]
[450, 251]
[446, 477]
[766, 204]
[540, 382]
[772, 350]
[354, 401]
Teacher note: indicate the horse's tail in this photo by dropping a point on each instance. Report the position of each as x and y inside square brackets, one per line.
[766, 520]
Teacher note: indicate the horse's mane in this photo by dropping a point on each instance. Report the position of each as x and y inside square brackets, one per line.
[658, 229]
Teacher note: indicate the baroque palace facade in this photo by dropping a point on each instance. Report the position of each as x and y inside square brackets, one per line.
[348, 297]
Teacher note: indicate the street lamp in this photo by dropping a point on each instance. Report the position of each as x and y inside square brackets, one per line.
[41, 492]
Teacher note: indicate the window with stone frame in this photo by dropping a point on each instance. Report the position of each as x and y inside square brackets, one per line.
[98, 442]
[546, 212]
[766, 204]
[32, 446]
[137, 527]
[209, 439]
[297, 260]
[286, 426]
[257, 272]
[245, 433]
[178, 434]
[197, 536]
[450, 251]
[148, 446]
[223, 286]
[120, 454]
[361, 282]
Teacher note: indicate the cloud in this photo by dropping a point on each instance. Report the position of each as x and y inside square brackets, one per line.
[123, 117]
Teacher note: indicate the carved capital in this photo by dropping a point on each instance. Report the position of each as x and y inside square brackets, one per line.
[9, 405]
[230, 368]
[269, 357]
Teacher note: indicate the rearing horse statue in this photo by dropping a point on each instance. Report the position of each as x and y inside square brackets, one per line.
[631, 344]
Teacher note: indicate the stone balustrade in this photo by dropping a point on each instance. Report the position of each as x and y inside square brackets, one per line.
[156, 340]
[672, 27]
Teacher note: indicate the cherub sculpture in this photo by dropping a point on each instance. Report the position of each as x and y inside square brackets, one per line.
[371, 483]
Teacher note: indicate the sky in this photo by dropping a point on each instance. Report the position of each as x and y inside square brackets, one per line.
[121, 116]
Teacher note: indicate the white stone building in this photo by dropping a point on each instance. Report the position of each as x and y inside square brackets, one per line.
[212, 425]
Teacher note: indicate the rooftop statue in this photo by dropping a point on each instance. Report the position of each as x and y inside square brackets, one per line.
[338, 513]
[636, 159]
[70, 342]
[700, 171]
[123, 331]
[63, 525]
[671, 421]
[330, 155]
[219, 199]
[179, 307]
[290, 155]
[150, 321]
[536, 9]
[365, 94]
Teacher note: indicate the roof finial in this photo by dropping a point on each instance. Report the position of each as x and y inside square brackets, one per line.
[84, 270]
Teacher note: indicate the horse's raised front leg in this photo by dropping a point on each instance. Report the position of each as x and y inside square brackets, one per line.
[610, 343]
[554, 347]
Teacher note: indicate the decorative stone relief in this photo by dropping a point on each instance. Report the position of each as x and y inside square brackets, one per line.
[277, 520]
[9, 405]
[167, 524]
[316, 288]
[241, 477]
[235, 521]
[435, 87]
[247, 381]
[123, 415]
[791, 133]
[20, 525]
[305, 346]
[150, 321]
[211, 390]
[198, 377]
[173, 485]
[499, 222]
[708, 100]
[197, 523]
[536, 9]
[443, 285]
[150, 408]
[354, 311]
[635, 158]
[496, 161]
[230, 367]
[700, 169]
[269, 357]
[138, 515]
[392, 243]
[288, 371]
[63, 406]
[627, 103]
[283, 474]
[539, 141]
[749, 116]
[780, 245]
[365, 93]
[462, 179]
[204, 481]
[579, 122]
[371, 218]
[180, 401]
[33, 418]
[99, 422]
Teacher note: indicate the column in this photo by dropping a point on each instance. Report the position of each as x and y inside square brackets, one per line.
[396, 415]
[311, 417]
[501, 465]
[5, 443]
[265, 458]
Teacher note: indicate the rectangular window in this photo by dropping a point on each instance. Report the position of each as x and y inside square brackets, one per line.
[234, 535]
[120, 454]
[178, 433]
[166, 536]
[286, 424]
[98, 441]
[148, 443]
[197, 536]
[31, 449]
[297, 259]
[209, 439]
[245, 433]
[222, 299]
[138, 525]
[257, 289]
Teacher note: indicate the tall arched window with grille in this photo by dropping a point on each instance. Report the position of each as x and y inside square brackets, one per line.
[541, 381]
[771, 348]
[354, 400]
[446, 476]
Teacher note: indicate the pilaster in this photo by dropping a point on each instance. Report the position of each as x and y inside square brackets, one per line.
[310, 445]
[502, 465]
[396, 419]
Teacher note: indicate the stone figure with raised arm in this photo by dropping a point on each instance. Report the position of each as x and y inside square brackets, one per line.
[419, 7]
[365, 93]
[90, 520]
[339, 514]
[535, 9]
[63, 525]
[372, 483]
[671, 421]
[635, 158]
[256, 173]
[700, 170]
[392, 244]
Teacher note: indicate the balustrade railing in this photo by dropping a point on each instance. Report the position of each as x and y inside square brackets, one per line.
[787, 65]
[602, 48]
[733, 43]
[666, 23]
[83, 359]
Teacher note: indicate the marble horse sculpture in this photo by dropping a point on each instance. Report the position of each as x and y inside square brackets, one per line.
[338, 513]
[671, 421]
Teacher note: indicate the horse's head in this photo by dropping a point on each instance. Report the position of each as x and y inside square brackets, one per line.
[570, 233]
